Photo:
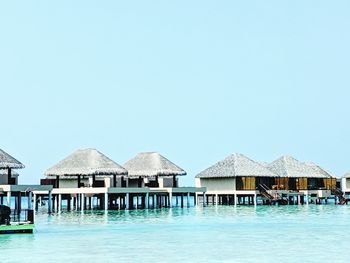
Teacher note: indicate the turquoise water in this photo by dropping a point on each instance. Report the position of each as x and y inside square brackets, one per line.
[212, 234]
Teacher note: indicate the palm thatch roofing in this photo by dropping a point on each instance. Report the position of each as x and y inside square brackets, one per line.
[151, 164]
[287, 166]
[236, 165]
[7, 161]
[86, 162]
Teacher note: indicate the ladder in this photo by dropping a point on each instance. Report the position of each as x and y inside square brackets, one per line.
[264, 191]
[339, 193]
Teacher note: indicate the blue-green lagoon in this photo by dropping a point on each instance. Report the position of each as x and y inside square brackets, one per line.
[314, 233]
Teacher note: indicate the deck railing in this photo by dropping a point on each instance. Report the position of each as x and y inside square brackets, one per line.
[23, 215]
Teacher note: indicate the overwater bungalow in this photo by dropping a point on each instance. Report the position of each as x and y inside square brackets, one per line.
[150, 169]
[295, 175]
[301, 179]
[87, 179]
[14, 219]
[285, 180]
[154, 171]
[234, 180]
[7, 165]
[85, 168]
[81, 180]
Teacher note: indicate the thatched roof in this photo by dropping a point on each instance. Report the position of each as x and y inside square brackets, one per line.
[86, 162]
[7, 161]
[287, 166]
[236, 165]
[319, 171]
[151, 164]
[347, 175]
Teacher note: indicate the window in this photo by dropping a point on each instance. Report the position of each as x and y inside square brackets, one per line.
[330, 183]
[245, 183]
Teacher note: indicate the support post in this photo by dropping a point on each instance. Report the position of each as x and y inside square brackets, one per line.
[188, 199]
[170, 199]
[114, 180]
[154, 201]
[50, 203]
[82, 202]
[204, 200]
[255, 199]
[216, 199]
[30, 200]
[147, 201]
[57, 181]
[93, 180]
[59, 201]
[78, 202]
[19, 207]
[8, 199]
[9, 176]
[106, 201]
[69, 203]
[34, 203]
[127, 204]
[174, 181]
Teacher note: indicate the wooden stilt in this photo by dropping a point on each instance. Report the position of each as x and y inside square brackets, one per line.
[69, 202]
[170, 199]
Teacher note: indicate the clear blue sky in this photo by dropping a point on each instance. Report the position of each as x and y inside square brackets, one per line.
[194, 80]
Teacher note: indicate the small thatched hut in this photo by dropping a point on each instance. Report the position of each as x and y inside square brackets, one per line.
[152, 170]
[86, 167]
[7, 164]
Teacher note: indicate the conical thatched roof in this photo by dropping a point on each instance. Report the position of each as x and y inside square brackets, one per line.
[7, 161]
[86, 162]
[236, 165]
[151, 164]
[287, 166]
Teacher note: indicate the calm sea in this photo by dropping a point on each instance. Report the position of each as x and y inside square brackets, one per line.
[212, 234]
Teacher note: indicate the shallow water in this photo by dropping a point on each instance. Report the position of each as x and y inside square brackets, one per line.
[212, 234]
